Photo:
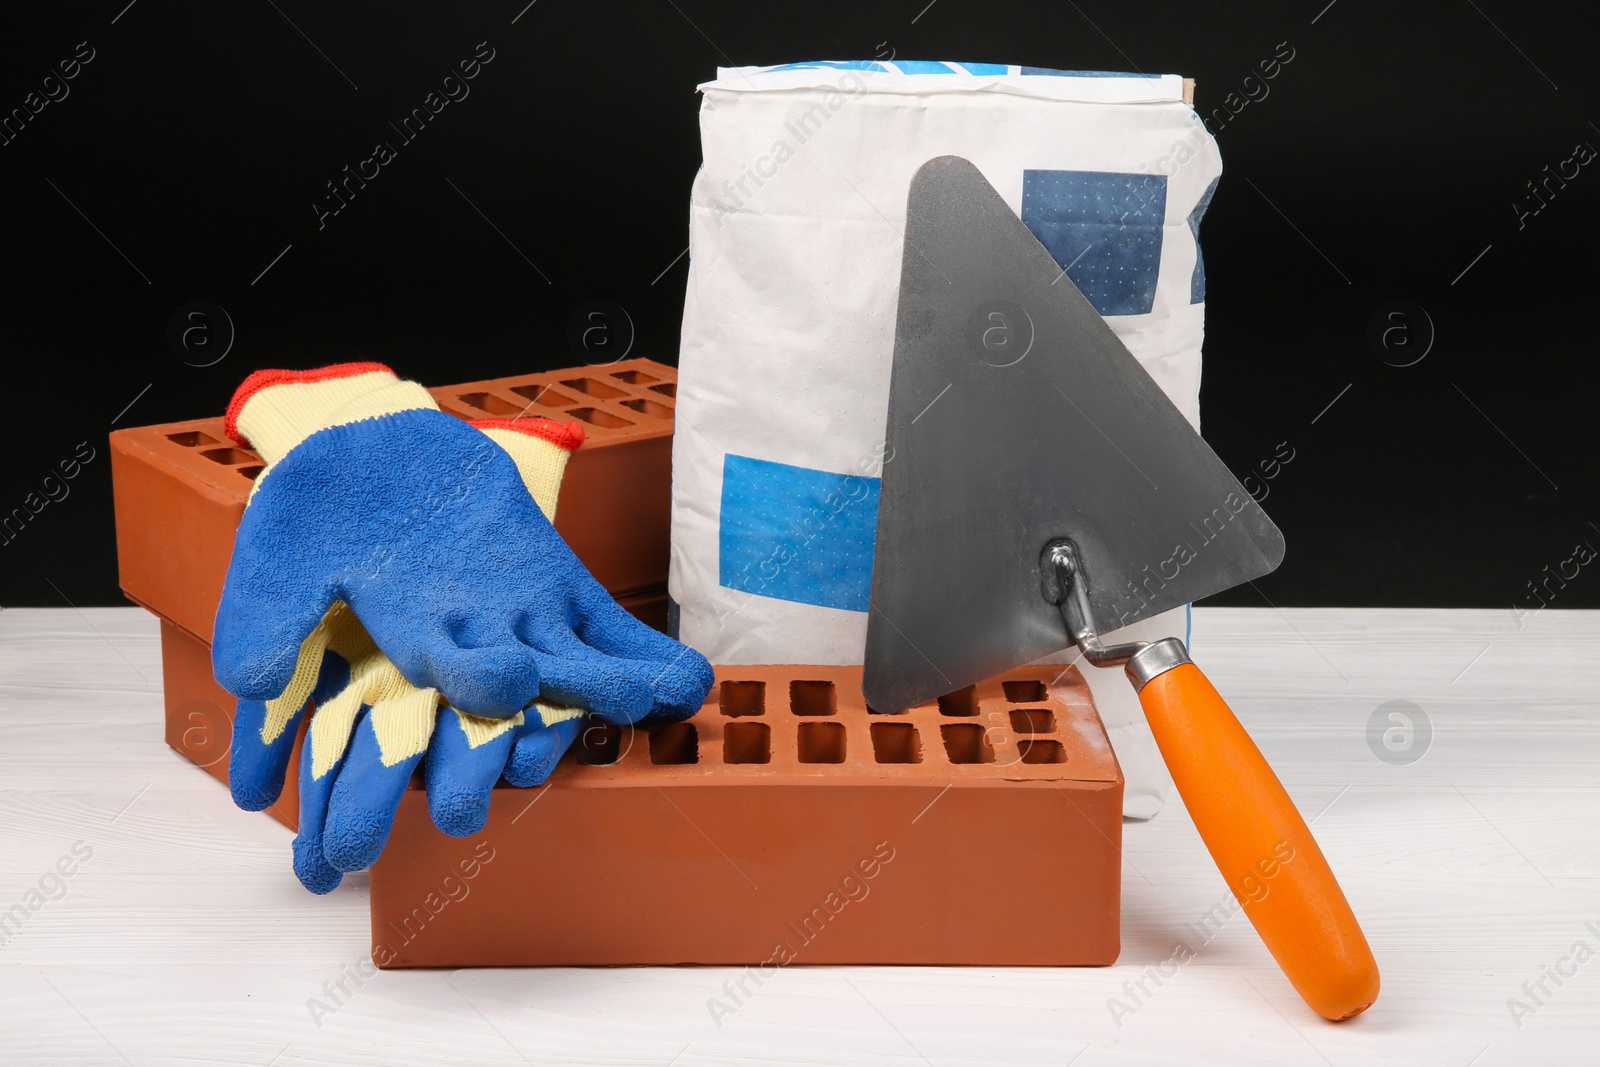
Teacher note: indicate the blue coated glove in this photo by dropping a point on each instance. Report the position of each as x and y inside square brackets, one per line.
[371, 726]
[421, 523]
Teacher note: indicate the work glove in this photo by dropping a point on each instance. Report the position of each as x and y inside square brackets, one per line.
[421, 524]
[370, 727]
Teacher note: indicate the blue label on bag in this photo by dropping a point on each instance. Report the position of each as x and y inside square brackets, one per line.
[1104, 230]
[1051, 72]
[797, 534]
[1197, 280]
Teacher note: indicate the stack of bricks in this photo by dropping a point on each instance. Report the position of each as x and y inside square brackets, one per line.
[785, 823]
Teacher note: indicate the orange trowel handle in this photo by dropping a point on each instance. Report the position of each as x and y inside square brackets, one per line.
[1261, 844]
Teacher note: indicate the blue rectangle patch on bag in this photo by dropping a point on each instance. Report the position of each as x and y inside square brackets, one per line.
[1197, 280]
[797, 534]
[1104, 230]
[1051, 72]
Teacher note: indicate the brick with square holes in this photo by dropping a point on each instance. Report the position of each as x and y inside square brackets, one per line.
[749, 823]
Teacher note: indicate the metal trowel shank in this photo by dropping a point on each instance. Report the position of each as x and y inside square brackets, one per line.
[1016, 419]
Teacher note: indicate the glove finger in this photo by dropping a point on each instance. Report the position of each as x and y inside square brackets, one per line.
[263, 740]
[259, 756]
[494, 681]
[538, 749]
[617, 690]
[388, 744]
[679, 676]
[464, 762]
[310, 865]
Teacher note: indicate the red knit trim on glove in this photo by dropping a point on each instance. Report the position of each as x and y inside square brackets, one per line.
[567, 435]
[263, 379]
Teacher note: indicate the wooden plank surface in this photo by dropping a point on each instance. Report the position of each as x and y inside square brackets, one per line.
[184, 937]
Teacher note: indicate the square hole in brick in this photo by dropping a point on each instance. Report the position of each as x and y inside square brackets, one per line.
[674, 743]
[666, 389]
[1032, 721]
[230, 456]
[961, 702]
[544, 396]
[1037, 751]
[813, 698]
[896, 742]
[494, 405]
[821, 742]
[744, 698]
[650, 408]
[192, 439]
[591, 387]
[634, 377]
[1024, 692]
[746, 742]
[599, 743]
[253, 471]
[967, 742]
[596, 417]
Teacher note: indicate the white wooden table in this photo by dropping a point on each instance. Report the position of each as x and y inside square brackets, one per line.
[184, 937]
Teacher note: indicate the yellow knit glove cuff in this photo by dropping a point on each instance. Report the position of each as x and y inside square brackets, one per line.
[274, 410]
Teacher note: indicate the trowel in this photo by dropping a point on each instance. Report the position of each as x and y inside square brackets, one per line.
[1041, 491]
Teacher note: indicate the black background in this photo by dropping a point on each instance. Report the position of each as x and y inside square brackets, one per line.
[1386, 157]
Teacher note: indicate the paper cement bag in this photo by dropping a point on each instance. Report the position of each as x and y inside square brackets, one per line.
[788, 328]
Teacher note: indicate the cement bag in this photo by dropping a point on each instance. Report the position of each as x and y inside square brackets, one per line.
[788, 327]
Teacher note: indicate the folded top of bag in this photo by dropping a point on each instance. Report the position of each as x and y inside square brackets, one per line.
[917, 77]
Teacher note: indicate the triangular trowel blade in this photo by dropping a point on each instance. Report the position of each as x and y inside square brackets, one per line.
[1017, 417]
